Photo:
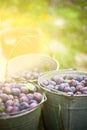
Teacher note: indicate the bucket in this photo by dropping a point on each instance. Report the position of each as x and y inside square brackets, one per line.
[25, 63]
[29, 62]
[63, 111]
[27, 119]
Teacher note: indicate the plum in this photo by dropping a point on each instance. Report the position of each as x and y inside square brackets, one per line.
[22, 94]
[73, 89]
[28, 75]
[9, 109]
[30, 96]
[9, 102]
[79, 87]
[23, 105]
[83, 83]
[57, 79]
[15, 109]
[24, 99]
[6, 90]
[15, 91]
[24, 90]
[10, 97]
[16, 103]
[38, 96]
[32, 105]
[67, 77]
[85, 79]
[4, 97]
[79, 78]
[84, 92]
[67, 89]
[84, 88]
[72, 82]
[45, 82]
[33, 101]
[62, 86]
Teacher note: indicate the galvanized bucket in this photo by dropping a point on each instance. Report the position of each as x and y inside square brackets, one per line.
[17, 65]
[28, 62]
[64, 111]
[26, 120]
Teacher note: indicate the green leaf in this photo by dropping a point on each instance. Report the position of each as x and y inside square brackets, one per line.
[1, 110]
[30, 86]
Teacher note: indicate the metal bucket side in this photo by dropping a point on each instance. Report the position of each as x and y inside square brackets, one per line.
[26, 120]
[62, 111]
[30, 61]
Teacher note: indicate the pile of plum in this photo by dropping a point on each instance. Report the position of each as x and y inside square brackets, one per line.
[76, 85]
[18, 97]
[28, 75]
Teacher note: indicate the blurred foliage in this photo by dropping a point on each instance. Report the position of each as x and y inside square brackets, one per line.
[63, 24]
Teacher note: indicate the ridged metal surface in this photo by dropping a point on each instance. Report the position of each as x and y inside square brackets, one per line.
[29, 121]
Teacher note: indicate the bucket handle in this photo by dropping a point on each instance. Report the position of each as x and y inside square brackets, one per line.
[43, 99]
[13, 50]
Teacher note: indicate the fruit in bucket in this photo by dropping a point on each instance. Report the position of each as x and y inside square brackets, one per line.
[76, 85]
[18, 97]
[27, 75]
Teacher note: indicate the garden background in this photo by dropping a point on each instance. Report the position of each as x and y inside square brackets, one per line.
[54, 27]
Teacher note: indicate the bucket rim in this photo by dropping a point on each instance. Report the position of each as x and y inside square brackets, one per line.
[39, 56]
[26, 111]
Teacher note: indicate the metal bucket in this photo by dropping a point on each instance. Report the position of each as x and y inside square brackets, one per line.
[28, 62]
[64, 111]
[27, 120]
